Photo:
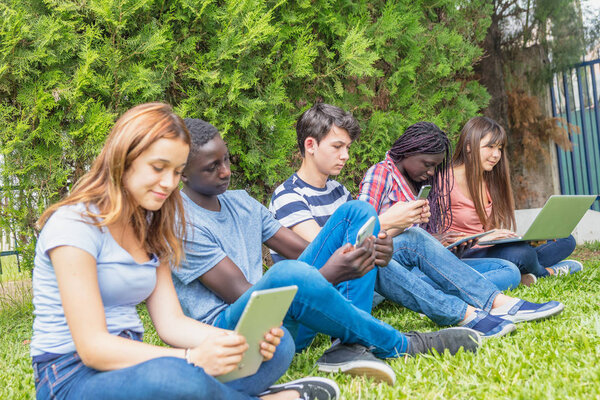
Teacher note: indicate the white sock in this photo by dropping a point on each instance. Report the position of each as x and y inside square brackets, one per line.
[503, 309]
[469, 318]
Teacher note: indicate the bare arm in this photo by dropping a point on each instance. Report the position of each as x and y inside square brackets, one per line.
[172, 326]
[287, 243]
[76, 274]
[226, 280]
[307, 230]
[401, 215]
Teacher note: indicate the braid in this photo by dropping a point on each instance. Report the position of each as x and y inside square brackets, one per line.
[427, 138]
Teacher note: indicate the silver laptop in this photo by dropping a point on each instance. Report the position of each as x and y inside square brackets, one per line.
[556, 220]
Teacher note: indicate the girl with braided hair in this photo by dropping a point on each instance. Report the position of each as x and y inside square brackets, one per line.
[421, 156]
[481, 199]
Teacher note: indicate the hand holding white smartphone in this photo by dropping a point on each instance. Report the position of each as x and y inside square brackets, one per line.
[424, 192]
[365, 231]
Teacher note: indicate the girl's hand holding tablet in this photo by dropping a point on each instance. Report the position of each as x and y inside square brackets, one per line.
[219, 354]
[272, 340]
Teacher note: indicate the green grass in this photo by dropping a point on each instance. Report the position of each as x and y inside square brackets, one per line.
[551, 359]
[10, 270]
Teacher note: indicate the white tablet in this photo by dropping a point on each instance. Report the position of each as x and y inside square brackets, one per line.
[265, 310]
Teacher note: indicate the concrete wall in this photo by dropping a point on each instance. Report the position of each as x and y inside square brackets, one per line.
[588, 229]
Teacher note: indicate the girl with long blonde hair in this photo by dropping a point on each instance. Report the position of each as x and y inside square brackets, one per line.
[107, 247]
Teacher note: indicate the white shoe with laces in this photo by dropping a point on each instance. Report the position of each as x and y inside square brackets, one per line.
[566, 267]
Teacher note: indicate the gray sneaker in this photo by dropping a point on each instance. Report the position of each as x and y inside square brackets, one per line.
[451, 339]
[355, 359]
[310, 388]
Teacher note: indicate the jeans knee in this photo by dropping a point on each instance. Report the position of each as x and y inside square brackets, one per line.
[569, 243]
[523, 255]
[359, 206]
[292, 272]
[416, 236]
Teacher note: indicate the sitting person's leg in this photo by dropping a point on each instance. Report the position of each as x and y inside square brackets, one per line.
[522, 254]
[416, 248]
[552, 255]
[417, 292]
[159, 378]
[341, 228]
[319, 306]
[502, 273]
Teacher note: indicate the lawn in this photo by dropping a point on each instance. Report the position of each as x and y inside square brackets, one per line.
[551, 359]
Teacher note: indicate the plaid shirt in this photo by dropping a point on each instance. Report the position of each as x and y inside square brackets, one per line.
[383, 185]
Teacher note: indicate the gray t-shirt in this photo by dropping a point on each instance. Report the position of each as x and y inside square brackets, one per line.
[122, 281]
[236, 231]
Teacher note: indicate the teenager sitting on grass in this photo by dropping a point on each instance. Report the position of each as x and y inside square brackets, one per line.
[223, 266]
[106, 248]
[309, 197]
[481, 199]
[420, 157]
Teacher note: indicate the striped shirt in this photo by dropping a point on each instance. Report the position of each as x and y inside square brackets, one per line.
[383, 186]
[295, 201]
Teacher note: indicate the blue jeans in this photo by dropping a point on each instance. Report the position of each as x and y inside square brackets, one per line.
[426, 277]
[318, 305]
[502, 273]
[527, 258]
[167, 377]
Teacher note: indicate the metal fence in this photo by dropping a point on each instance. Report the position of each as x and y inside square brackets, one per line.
[574, 95]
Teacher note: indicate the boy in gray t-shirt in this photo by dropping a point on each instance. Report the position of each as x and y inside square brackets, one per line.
[223, 266]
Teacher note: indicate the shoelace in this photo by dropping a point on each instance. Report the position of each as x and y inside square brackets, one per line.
[562, 270]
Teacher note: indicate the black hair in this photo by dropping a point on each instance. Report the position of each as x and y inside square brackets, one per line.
[316, 122]
[201, 133]
[427, 138]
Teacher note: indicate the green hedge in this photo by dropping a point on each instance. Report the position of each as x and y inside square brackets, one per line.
[250, 67]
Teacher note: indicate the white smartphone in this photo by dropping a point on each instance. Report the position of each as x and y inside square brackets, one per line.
[365, 231]
[424, 192]
[265, 310]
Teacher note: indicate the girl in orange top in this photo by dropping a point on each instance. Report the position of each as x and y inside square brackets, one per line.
[481, 199]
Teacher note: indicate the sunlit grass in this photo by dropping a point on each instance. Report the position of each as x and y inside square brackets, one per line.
[551, 359]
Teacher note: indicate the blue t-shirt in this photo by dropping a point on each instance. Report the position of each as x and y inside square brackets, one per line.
[295, 201]
[237, 231]
[122, 281]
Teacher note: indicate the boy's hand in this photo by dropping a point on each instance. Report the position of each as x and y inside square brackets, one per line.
[384, 249]
[272, 340]
[349, 262]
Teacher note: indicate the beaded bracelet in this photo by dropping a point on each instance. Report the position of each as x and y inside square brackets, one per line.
[187, 356]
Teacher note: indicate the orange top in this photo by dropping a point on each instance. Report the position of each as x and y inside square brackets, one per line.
[464, 216]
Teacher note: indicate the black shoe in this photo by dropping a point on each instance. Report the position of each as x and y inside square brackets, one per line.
[451, 339]
[310, 388]
[355, 359]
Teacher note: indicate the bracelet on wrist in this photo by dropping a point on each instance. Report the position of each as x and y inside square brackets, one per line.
[187, 355]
